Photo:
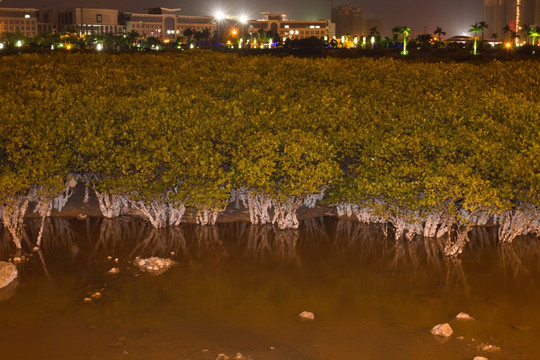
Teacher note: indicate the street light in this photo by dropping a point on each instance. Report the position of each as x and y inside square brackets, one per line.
[243, 19]
[219, 16]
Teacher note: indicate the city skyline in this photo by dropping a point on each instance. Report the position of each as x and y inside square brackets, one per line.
[455, 17]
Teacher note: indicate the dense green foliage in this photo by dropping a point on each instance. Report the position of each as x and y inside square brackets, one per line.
[411, 133]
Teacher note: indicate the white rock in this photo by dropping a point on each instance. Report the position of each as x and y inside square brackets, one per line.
[480, 358]
[8, 273]
[306, 315]
[464, 316]
[442, 330]
[154, 265]
[222, 357]
[114, 271]
[488, 347]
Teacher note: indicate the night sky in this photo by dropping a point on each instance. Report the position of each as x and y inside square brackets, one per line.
[454, 16]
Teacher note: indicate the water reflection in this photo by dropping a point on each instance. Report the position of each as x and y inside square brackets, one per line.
[256, 279]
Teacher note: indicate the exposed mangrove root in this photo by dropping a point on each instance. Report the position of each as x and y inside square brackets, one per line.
[86, 194]
[208, 216]
[285, 213]
[12, 212]
[454, 247]
[112, 206]
[46, 203]
[60, 201]
[159, 212]
[518, 222]
[258, 206]
[265, 210]
[311, 200]
[239, 195]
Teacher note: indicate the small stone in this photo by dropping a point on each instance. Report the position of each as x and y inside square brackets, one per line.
[464, 316]
[16, 259]
[222, 357]
[306, 316]
[125, 352]
[239, 356]
[113, 271]
[8, 273]
[480, 358]
[81, 217]
[205, 350]
[109, 257]
[35, 249]
[87, 300]
[488, 348]
[272, 348]
[116, 260]
[443, 330]
[96, 295]
[461, 338]
[173, 253]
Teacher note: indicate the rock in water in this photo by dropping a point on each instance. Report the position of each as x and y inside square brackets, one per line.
[464, 316]
[154, 265]
[443, 330]
[8, 273]
[306, 316]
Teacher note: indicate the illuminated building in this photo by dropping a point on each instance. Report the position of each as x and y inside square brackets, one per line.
[165, 24]
[292, 29]
[82, 20]
[20, 20]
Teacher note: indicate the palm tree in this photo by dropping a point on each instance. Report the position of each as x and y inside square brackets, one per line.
[405, 32]
[424, 40]
[525, 30]
[439, 31]
[206, 34]
[373, 31]
[396, 30]
[475, 29]
[483, 25]
[507, 30]
[534, 33]
[188, 33]
[514, 36]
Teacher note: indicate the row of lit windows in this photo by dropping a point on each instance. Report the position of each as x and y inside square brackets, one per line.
[302, 32]
[11, 28]
[311, 26]
[192, 27]
[18, 22]
[146, 26]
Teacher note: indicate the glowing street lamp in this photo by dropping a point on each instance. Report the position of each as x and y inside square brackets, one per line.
[99, 47]
[219, 16]
[19, 43]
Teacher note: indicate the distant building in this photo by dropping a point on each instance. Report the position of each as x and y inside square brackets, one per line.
[165, 24]
[83, 21]
[512, 13]
[21, 20]
[293, 29]
[348, 20]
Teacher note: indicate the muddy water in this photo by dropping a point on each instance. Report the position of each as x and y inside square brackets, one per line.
[238, 289]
